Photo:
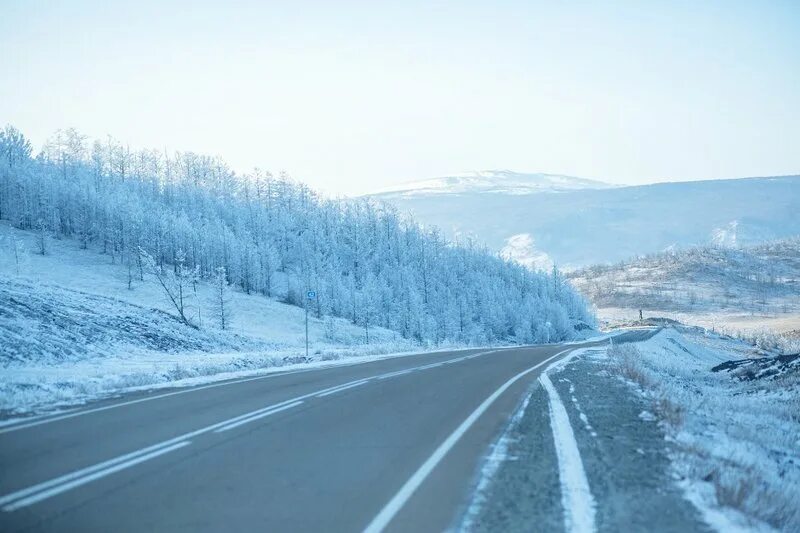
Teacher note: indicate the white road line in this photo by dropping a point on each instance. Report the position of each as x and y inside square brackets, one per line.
[58, 485]
[256, 417]
[397, 502]
[24, 502]
[40, 419]
[576, 497]
[393, 374]
[31, 423]
[339, 389]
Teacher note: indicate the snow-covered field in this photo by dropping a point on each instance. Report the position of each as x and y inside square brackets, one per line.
[747, 289]
[72, 330]
[735, 430]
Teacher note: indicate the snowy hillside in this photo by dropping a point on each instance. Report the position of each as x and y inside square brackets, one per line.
[756, 282]
[73, 328]
[492, 181]
[594, 224]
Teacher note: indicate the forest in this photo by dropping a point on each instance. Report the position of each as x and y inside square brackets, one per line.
[190, 216]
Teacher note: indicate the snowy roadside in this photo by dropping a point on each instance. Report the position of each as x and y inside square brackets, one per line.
[666, 444]
[615, 479]
[734, 435]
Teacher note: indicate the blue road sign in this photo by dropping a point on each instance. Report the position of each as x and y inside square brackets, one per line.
[311, 295]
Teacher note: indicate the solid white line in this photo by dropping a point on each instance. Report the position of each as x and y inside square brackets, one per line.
[256, 417]
[230, 423]
[397, 502]
[82, 472]
[91, 477]
[576, 497]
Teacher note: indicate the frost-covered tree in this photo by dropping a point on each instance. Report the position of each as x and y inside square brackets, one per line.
[191, 214]
[221, 298]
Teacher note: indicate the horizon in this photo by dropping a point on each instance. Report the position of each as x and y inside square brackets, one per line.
[389, 187]
[356, 97]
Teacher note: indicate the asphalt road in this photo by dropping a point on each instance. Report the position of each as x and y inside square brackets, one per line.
[393, 444]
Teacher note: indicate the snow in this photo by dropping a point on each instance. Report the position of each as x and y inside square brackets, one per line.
[576, 496]
[521, 248]
[495, 181]
[745, 289]
[735, 442]
[64, 346]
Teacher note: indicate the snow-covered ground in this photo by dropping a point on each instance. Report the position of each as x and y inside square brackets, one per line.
[721, 288]
[735, 432]
[72, 330]
[676, 429]
[729, 322]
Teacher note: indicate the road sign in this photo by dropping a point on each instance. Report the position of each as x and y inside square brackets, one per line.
[311, 295]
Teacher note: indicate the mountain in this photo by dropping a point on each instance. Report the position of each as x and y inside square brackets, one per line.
[574, 223]
[492, 181]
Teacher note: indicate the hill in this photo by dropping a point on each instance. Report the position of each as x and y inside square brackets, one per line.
[586, 224]
[734, 286]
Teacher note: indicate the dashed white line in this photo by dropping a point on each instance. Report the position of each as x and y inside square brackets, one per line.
[344, 387]
[256, 417]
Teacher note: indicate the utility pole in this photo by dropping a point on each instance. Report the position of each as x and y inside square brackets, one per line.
[310, 295]
[306, 328]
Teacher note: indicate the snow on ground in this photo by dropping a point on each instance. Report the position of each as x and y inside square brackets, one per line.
[71, 330]
[736, 441]
[714, 320]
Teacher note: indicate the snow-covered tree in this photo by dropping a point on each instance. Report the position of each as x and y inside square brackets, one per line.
[190, 214]
[221, 298]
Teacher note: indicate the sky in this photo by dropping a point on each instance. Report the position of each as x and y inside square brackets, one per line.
[351, 97]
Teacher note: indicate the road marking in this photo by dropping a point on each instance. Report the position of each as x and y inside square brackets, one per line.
[397, 502]
[576, 497]
[393, 374]
[46, 489]
[336, 387]
[23, 424]
[343, 387]
[256, 417]
[70, 481]
[40, 419]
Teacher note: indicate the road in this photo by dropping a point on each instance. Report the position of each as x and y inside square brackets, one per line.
[393, 444]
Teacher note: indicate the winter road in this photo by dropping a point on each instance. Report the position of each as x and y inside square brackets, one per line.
[393, 444]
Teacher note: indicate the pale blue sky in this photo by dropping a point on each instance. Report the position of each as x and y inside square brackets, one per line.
[353, 96]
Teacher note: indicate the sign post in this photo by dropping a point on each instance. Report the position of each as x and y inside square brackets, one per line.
[310, 295]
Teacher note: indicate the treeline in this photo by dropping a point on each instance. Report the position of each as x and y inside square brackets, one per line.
[277, 238]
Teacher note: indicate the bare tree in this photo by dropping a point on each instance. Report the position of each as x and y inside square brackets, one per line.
[175, 282]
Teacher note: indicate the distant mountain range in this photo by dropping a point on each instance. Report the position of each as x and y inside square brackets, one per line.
[541, 219]
[493, 181]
